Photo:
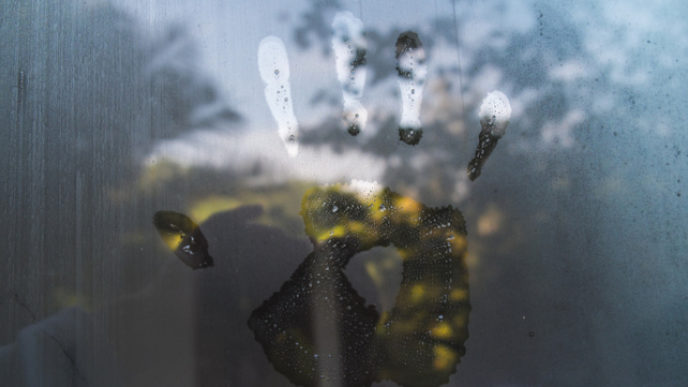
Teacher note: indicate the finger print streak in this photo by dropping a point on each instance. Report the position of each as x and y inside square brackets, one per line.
[273, 65]
[494, 114]
[183, 236]
[412, 70]
[349, 46]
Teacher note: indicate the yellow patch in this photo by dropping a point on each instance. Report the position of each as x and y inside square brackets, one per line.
[171, 240]
[374, 274]
[205, 208]
[458, 295]
[442, 331]
[417, 293]
[445, 357]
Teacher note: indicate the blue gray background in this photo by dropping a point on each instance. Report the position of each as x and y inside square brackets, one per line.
[111, 111]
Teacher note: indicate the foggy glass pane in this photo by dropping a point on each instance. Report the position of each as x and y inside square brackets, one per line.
[343, 193]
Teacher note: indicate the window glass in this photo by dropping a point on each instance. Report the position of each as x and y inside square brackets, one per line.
[343, 193]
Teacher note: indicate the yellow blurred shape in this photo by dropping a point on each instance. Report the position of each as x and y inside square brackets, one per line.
[67, 298]
[159, 173]
[335, 232]
[445, 357]
[458, 295]
[278, 206]
[205, 208]
[460, 319]
[472, 260]
[172, 241]
[378, 208]
[390, 262]
[363, 232]
[490, 222]
[417, 292]
[458, 243]
[408, 209]
[442, 331]
[406, 253]
[374, 274]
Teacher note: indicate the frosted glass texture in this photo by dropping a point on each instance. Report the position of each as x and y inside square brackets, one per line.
[331, 193]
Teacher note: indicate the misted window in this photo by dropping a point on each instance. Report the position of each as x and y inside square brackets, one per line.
[343, 193]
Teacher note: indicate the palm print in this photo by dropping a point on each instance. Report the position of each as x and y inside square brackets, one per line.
[317, 329]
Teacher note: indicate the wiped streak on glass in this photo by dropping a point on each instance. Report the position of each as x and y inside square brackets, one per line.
[495, 112]
[273, 64]
[349, 46]
[412, 70]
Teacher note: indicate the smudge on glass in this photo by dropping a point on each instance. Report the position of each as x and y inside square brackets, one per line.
[183, 236]
[273, 64]
[349, 46]
[412, 71]
[495, 112]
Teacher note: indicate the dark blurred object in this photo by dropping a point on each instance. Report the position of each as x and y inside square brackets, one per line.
[183, 236]
[486, 144]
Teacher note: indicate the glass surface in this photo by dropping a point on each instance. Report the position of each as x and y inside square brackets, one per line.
[343, 193]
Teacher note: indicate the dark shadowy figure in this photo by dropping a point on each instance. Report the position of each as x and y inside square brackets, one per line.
[318, 329]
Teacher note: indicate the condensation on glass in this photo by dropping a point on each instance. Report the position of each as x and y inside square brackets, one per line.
[343, 193]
